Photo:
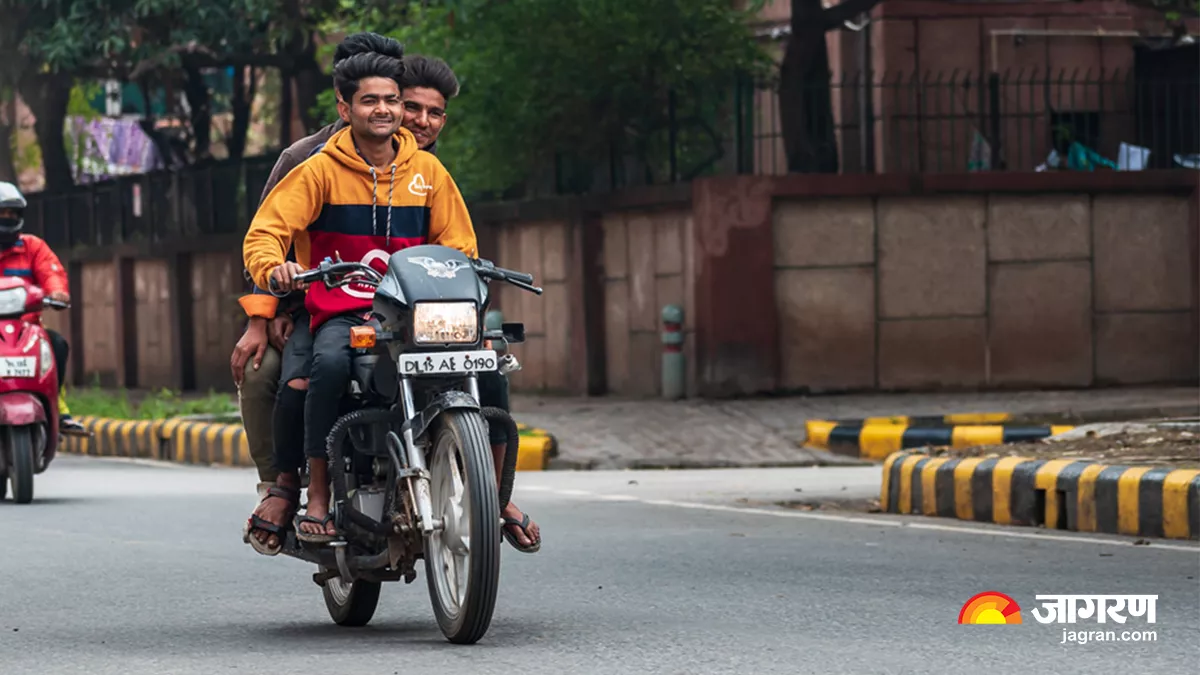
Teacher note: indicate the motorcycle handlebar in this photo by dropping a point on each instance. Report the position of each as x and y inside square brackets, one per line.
[519, 279]
[482, 267]
[56, 304]
[328, 269]
[516, 276]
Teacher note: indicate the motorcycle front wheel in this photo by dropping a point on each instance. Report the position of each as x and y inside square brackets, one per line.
[462, 560]
[20, 446]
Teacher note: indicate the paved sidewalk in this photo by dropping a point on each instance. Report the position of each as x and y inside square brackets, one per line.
[608, 433]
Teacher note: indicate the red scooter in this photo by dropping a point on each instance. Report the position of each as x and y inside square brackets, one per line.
[28, 387]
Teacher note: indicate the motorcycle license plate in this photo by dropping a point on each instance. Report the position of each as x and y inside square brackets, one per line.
[18, 366]
[448, 363]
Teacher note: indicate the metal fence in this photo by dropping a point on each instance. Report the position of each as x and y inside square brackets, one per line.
[1021, 120]
[932, 123]
[214, 198]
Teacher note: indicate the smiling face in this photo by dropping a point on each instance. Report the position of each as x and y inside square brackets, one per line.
[375, 111]
[424, 114]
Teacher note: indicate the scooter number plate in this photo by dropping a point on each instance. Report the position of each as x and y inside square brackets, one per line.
[448, 363]
[18, 366]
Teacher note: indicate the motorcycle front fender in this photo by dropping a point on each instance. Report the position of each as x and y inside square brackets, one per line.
[19, 408]
[449, 400]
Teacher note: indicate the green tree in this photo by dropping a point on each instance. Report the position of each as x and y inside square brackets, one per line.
[575, 83]
[46, 46]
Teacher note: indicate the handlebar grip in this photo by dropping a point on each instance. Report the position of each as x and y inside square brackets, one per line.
[516, 276]
[303, 277]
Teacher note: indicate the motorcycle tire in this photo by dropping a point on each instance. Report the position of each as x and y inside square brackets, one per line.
[352, 604]
[20, 444]
[461, 437]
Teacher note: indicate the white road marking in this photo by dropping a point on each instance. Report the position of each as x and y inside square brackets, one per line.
[874, 522]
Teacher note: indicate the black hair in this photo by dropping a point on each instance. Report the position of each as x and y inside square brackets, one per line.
[431, 72]
[362, 43]
[348, 73]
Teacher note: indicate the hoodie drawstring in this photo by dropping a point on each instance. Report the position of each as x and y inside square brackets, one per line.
[391, 186]
[375, 202]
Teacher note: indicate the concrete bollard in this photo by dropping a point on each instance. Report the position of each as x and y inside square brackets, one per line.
[674, 371]
[494, 320]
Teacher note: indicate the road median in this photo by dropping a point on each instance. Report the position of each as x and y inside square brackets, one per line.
[1135, 482]
[875, 438]
[211, 443]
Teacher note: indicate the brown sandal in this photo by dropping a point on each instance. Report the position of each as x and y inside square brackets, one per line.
[254, 522]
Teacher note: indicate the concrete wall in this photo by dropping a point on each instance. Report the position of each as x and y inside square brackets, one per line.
[646, 267]
[541, 249]
[984, 290]
[794, 283]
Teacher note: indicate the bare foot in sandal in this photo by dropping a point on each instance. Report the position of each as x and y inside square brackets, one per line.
[316, 525]
[271, 518]
[520, 531]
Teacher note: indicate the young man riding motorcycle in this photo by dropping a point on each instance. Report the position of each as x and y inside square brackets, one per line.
[26, 255]
[428, 83]
[270, 320]
[320, 206]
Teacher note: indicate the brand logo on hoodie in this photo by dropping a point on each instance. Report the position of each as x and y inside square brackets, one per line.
[367, 291]
[418, 186]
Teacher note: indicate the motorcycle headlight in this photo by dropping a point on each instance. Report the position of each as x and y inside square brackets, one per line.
[445, 323]
[45, 359]
[12, 300]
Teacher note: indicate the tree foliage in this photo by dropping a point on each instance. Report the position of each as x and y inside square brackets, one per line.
[46, 46]
[577, 82]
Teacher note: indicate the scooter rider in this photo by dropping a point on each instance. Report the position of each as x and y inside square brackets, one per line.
[26, 255]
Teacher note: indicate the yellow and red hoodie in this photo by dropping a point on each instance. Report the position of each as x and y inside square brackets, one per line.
[335, 204]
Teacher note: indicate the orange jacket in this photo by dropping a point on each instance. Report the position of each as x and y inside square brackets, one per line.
[32, 258]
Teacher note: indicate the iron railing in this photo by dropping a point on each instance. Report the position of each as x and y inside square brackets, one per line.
[931, 123]
[215, 198]
[1010, 121]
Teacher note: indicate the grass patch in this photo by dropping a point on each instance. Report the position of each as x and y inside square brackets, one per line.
[160, 404]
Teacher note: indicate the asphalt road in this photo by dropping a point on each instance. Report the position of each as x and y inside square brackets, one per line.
[121, 567]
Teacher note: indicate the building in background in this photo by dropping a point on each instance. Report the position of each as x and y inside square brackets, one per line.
[957, 85]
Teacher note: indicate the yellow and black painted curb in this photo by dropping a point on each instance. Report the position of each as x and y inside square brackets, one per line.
[877, 437]
[192, 442]
[536, 448]
[1059, 494]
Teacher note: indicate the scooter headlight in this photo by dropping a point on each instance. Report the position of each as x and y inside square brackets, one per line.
[45, 359]
[12, 300]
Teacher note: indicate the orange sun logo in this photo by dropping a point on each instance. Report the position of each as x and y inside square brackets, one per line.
[990, 607]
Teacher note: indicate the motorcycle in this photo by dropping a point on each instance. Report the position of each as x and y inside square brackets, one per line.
[28, 388]
[410, 462]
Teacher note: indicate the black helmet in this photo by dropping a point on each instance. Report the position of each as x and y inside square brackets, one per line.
[10, 227]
